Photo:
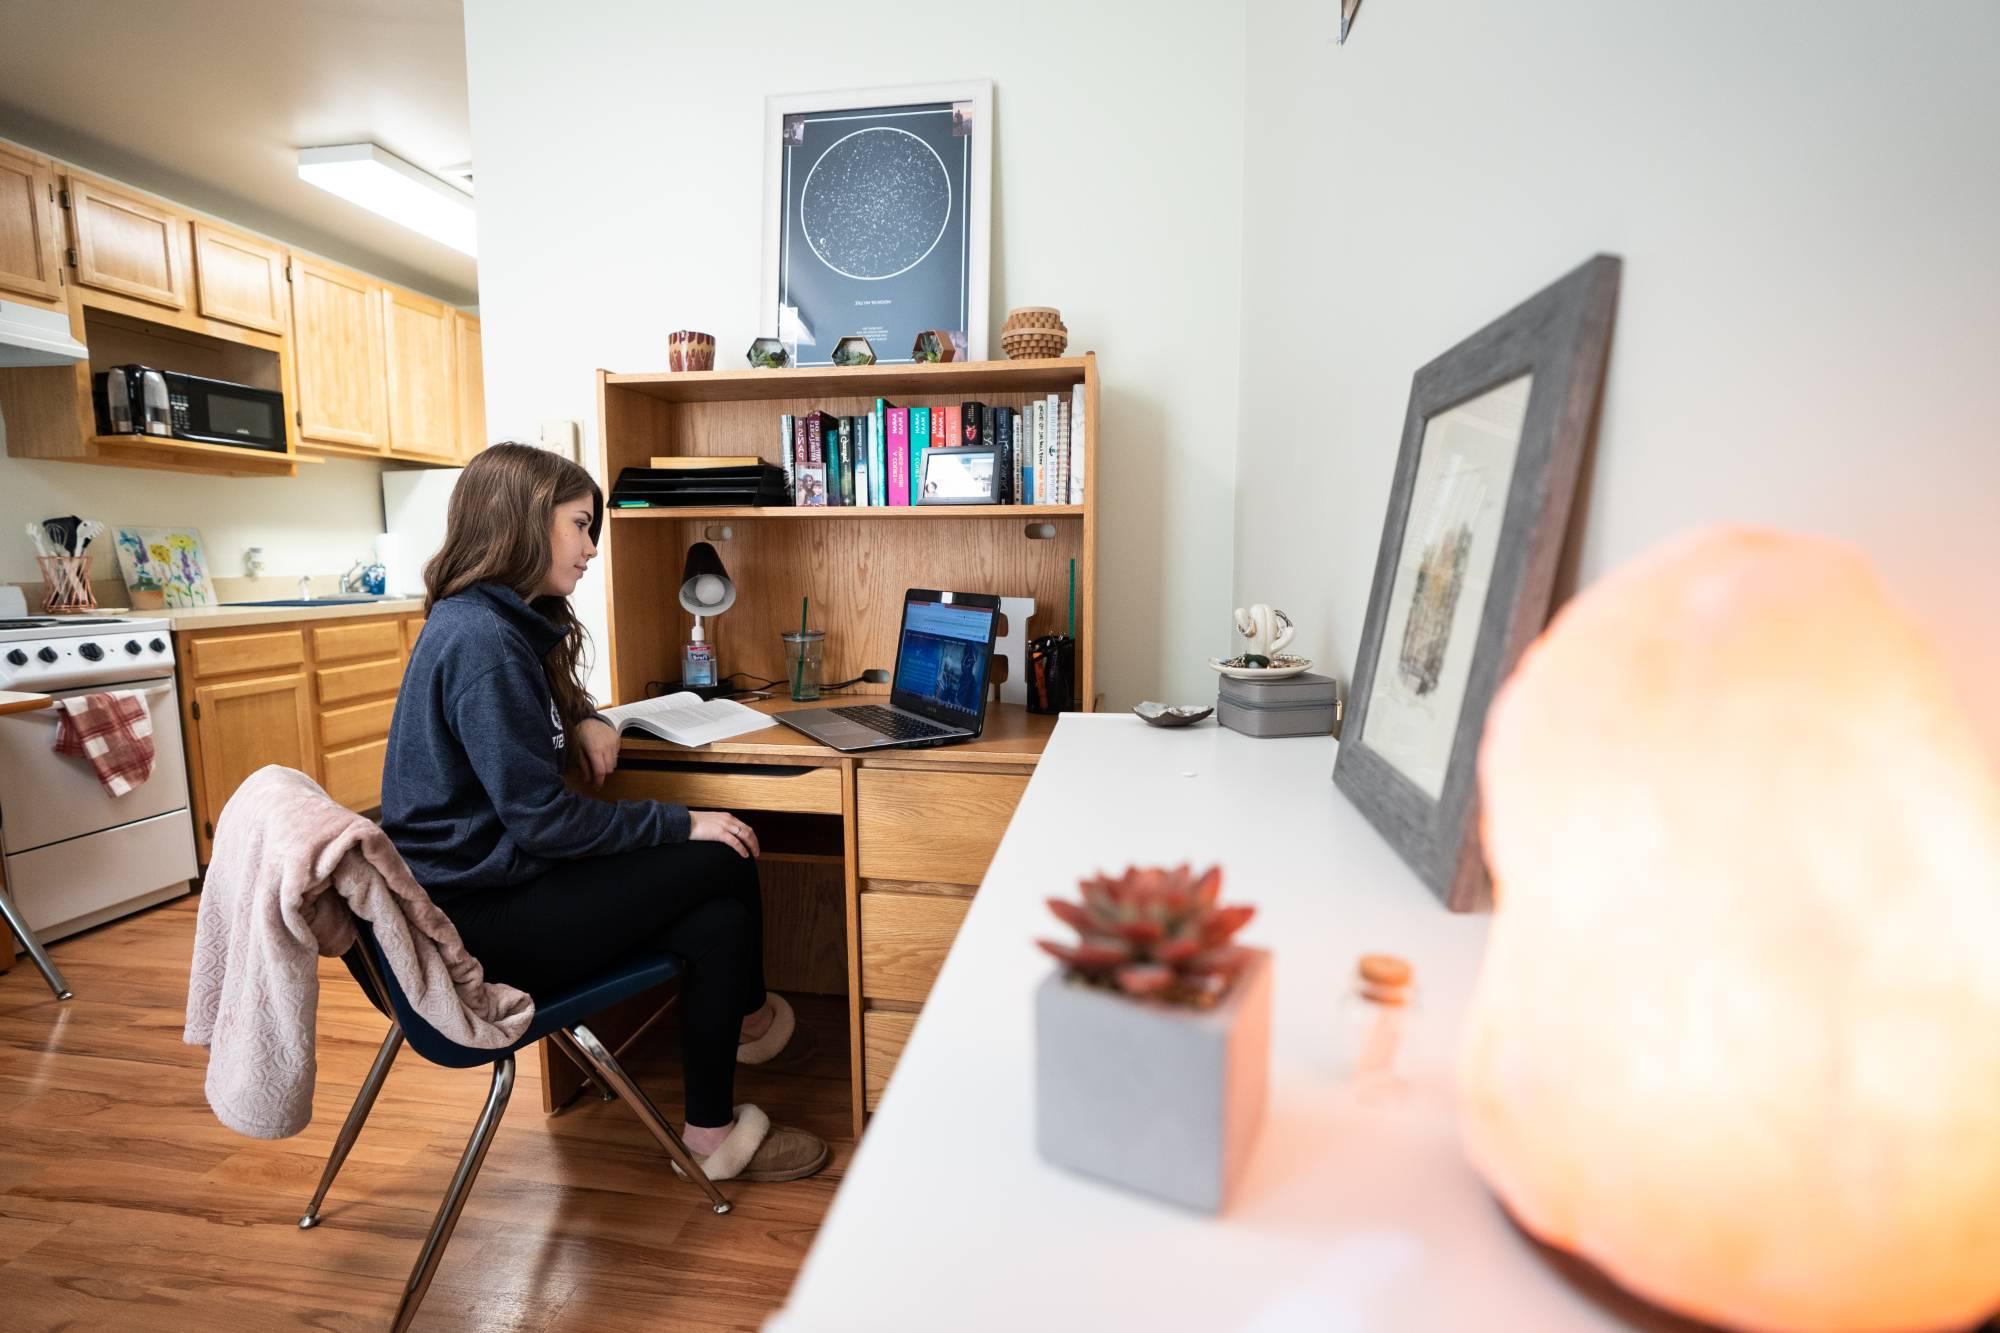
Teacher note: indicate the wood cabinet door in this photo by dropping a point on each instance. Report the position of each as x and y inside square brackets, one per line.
[423, 380]
[245, 724]
[30, 262]
[471, 387]
[238, 279]
[337, 353]
[126, 244]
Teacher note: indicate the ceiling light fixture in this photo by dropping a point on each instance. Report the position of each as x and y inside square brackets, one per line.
[383, 183]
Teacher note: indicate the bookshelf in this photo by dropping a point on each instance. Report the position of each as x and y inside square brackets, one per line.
[854, 563]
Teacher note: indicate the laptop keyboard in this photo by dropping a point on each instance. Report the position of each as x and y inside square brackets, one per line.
[891, 724]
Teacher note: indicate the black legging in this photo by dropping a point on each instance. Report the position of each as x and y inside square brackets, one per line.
[696, 899]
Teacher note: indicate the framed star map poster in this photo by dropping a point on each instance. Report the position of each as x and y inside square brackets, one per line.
[877, 213]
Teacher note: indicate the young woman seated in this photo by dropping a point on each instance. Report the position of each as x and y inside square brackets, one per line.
[549, 887]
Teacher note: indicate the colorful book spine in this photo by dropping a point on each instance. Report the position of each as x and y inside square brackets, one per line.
[812, 465]
[920, 444]
[948, 436]
[829, 436]
[879, 442]
[1052, 457]
[847, 461]
[972, 424]
[898, 420]
[1062, 450]
[785, 454]
[1002, 421]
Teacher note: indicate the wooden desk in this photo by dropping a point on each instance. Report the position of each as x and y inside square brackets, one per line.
[1349, 1217]
[870, 862]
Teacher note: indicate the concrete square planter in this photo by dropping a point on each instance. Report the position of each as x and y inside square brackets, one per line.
[1157, 1098]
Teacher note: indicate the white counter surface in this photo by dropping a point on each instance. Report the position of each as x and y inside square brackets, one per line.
[1349, 1218]
[189, 618]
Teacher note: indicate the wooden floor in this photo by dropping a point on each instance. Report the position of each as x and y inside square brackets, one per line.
[124, 1203]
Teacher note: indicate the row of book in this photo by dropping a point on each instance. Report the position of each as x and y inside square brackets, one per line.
[879, 458]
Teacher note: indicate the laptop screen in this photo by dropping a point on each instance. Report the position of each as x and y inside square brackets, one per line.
[941, 663]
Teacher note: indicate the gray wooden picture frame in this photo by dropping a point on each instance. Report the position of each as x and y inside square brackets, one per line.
[1562, 336]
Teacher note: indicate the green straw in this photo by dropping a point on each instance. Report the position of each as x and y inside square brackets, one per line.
[1072, 599]
[799, 663]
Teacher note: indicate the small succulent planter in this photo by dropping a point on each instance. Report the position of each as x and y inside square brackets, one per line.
[767, 354]
[853, 350]
[1153, 1042]
[936, 345]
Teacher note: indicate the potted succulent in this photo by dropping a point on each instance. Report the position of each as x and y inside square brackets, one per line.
[767, 354]
[147, 594]
[853, 350]
[1152, 1041]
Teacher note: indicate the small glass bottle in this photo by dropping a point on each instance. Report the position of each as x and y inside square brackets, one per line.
[1376, 1014]
[697, 661]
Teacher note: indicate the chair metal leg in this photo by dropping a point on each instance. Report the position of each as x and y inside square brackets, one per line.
[581, 1043]
[454, 1199]
[356, 1118]
[590, 1084]
[19, 925]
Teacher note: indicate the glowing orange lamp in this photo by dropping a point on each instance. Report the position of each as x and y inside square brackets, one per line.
[1737, 1036]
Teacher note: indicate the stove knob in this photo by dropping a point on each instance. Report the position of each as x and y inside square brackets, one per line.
[158, 645]
[91, 652]
[132, 646]
[47, 654]
[17, 657]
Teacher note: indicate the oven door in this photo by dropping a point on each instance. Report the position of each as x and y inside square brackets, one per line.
[47, 797]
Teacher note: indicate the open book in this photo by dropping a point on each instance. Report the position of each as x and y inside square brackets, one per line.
[686, 718]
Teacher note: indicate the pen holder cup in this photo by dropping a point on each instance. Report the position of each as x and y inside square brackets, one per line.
[803, 655]
[1051, 674]
[66, 583]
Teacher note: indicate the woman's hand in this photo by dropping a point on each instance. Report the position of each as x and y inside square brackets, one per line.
[721, 826]
[597, 748]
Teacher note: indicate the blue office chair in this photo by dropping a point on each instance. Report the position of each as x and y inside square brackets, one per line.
[559, 1018]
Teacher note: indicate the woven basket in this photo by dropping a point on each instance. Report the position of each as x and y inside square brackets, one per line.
[1033, 344]
[1033, 317]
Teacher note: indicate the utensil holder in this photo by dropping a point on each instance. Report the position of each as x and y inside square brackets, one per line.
[66, 583]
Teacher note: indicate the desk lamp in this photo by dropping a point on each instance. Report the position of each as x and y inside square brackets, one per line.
[705, 591]
[1737, 1036]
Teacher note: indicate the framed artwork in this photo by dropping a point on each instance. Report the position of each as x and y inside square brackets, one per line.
[1492, 443]
[960, 476]
[170, 559]
[878, 207]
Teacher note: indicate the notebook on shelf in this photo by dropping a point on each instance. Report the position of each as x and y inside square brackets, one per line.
[686, 719]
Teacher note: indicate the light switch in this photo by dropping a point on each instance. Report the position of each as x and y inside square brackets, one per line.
[561, 437]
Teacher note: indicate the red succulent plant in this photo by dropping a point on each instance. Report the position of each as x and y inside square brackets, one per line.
[1153, 932]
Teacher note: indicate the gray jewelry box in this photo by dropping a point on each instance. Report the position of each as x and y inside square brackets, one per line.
[1301, 705]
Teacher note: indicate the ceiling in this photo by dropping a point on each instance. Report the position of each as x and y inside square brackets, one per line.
[207, 102]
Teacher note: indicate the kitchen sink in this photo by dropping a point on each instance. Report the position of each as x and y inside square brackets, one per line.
[310, 601]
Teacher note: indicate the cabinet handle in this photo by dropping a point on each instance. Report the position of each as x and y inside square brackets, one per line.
[194, 710]
[208, 827]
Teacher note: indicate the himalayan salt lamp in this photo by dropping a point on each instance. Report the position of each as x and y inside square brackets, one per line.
[1737, 1036]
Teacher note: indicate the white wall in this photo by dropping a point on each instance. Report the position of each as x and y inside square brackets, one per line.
[316, 524]
[621, 194]
[1807, 198]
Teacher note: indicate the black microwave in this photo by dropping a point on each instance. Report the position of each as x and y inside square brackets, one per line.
[139, 400]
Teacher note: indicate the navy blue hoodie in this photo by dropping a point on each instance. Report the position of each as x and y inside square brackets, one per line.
[472, 788]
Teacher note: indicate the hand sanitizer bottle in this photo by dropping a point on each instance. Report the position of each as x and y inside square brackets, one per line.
[697, 660]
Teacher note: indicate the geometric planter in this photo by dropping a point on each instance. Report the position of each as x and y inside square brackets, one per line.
[1158, 1098]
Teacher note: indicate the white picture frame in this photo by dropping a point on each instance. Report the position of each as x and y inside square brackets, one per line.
[972, 99]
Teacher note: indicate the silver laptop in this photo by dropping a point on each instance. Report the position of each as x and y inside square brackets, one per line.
[938, 694]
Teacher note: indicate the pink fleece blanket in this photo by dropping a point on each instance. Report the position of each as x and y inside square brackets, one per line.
[291, 871]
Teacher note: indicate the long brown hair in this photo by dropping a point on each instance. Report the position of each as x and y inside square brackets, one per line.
[497, 531]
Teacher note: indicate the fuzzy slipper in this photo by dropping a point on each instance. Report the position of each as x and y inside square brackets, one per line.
[758, 1151]
[784, 1045]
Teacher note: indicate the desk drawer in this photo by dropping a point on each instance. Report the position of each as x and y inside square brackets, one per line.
[927, 825]
[341, 642]
[884, 1033]
[904, 939]
[226, 654]
[339, 684]
[731, 787]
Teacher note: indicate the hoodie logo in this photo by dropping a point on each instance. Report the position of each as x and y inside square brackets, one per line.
[555, 724]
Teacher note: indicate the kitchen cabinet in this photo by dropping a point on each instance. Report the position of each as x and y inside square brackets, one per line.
[316, 694]
[30, 257]
[471, 386]
[238, 727]
[126, 244]
[422, 351]
[337, 351]
[239, 279]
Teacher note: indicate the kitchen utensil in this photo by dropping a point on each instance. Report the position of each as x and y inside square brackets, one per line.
[87, 532]
[62, 532]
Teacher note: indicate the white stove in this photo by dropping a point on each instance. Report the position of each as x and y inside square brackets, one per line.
[75, 855]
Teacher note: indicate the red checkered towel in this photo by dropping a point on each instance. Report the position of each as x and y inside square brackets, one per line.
[114, 729]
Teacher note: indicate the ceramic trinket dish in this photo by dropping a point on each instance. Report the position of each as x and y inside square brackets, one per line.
[1171, 715]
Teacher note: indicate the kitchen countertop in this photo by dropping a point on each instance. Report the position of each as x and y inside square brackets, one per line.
[189, 618]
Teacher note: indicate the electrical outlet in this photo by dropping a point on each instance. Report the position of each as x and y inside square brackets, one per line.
[561, 437]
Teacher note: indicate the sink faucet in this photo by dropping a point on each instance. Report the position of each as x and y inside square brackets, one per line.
[305, 588]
